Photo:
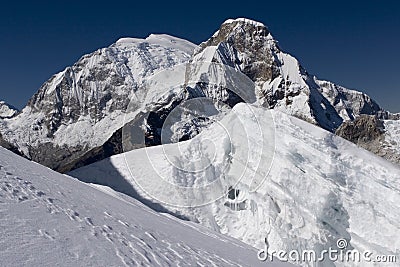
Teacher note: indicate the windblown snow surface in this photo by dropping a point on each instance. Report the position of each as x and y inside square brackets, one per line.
[319, 188]
[50, 219]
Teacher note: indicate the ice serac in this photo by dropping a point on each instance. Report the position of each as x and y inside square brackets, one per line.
[49, 219]
[6, 110]
[320, 187]
[81, 107]
[281, 82]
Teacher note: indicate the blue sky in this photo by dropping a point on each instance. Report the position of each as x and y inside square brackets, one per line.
[353, 44]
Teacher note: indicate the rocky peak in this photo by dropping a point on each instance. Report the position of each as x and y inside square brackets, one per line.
[246, 45]
[6, 110]
[281, 82]
[349, 103]
[238, 31]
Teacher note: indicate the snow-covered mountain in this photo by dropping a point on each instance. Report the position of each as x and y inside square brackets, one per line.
[267, 178]
[6, 110]
[76, 117]
[281, 82]
[81, 107]
[49, 219]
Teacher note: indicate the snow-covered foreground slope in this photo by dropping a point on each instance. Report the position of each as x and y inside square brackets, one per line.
[319, 188]
[49, 219]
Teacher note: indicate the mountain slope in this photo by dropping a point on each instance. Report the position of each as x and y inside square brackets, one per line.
[49, 219]
[81, 107]
[319, 188]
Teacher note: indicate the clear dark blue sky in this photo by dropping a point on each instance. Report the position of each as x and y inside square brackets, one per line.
[353, 44]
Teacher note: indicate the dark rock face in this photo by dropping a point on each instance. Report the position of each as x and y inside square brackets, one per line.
[281, 81]
[149, 124]
[368, 132]
[248, 45]
[152, 123]
[54, 156]
[363, 130]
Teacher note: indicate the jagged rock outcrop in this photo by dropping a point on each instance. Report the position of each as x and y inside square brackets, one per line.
[368, 132]
[363, 130]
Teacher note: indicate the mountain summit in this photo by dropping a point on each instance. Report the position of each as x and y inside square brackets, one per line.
[82, 106]
[281, 82]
